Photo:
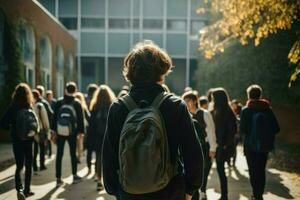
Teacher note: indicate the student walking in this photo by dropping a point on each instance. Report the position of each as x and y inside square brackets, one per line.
[23, 124]
[50, 113]
[145, 132]
[207, 126]
[69, 123]
[100, 104]
[86, 118]
[226, 129]
[40, 142]
[259, 125]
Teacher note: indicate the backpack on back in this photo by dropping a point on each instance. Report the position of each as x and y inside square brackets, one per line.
[66, 120]
[144, 156]
[261, 138]
[26, 124]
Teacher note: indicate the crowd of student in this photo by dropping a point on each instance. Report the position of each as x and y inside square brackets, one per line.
[149, 143]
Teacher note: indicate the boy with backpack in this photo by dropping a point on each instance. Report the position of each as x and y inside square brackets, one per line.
[150, 143]
[259, 125]
[68, 123]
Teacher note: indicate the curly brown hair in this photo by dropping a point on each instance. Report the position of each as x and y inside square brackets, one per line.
[102, 98]
[22, 96]
[146, 63]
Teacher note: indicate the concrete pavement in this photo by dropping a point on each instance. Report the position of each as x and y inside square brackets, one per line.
[280, 185]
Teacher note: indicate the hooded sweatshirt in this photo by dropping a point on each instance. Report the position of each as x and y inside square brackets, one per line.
[252, 107]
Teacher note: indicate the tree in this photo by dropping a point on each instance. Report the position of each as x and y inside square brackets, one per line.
[250, 20]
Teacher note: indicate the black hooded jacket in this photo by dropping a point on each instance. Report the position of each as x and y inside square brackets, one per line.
[252, 107]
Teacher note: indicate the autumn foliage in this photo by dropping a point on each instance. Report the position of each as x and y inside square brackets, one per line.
[249, 20]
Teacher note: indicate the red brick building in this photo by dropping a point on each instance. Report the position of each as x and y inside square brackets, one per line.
[46, 50]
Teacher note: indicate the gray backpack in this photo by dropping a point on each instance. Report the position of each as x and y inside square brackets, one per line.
[144, 156]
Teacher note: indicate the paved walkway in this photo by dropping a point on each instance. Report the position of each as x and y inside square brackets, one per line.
[280, 185]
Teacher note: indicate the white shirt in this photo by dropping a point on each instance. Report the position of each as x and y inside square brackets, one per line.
[210, 130]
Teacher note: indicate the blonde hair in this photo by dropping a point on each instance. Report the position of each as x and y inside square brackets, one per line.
[80, 97]
[103, 97]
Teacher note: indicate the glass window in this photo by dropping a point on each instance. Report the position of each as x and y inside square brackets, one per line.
[45, 53]
[119, 43]
[194, 6]
[136, 8]
[60, 60]
[49, 4]
[119, 23]
[119, 8]
[115, 77]
[157, 38]
[70, 68]
[68, 7]
[136, 38]
[27, 43]
[136, 23]
[196, 25]
[152, 24]
[93, 7]
[177, 8]
[176, 25]
[92, 70]
[92, 23]
[92, 42]
[59, 85]
[176, 44]
[153, 8]
[30, 77]
[69, 22]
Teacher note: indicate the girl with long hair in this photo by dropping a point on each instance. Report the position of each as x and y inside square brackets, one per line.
[226, 129]
[99, 107]
[18, 118]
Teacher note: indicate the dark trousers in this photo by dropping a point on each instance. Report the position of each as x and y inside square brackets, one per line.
[23, 155]
[49, 148]
[220, 160]
[39, 148]
[98, 165]
[60, 151]
[207, 168]
[89, 158]
[257, 172]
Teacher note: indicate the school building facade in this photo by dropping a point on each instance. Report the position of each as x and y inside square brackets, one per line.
[45, 50]
[107, 29]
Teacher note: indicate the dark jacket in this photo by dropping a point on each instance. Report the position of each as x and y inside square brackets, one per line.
[252, 107]
[8, 121]
[226, 129]
[78, 109]
[96, 129]
[181, 135]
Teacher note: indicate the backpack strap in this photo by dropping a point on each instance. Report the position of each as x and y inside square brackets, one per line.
[129, 102]
[159, 99]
